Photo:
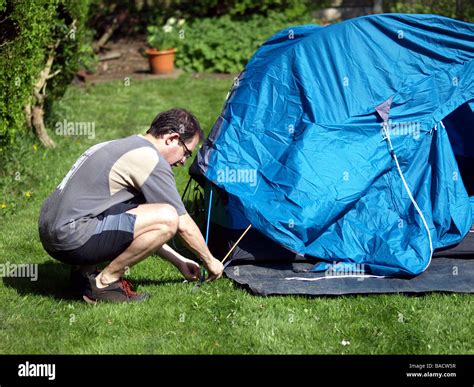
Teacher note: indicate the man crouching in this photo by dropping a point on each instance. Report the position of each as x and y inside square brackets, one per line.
[119, 204]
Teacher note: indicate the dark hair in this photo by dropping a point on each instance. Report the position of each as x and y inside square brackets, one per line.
[176, 120]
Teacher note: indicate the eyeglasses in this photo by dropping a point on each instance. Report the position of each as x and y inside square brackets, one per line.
[187, 153]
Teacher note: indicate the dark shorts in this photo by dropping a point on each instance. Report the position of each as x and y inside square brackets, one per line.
[113, 235]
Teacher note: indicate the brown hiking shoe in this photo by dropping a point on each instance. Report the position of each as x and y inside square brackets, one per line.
[118, 291]
[80, 281]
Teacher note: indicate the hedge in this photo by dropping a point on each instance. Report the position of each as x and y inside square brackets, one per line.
[31, 31]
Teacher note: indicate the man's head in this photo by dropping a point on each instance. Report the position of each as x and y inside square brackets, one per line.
[176, 133]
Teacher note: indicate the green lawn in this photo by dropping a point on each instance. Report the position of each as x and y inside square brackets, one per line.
[40, 316]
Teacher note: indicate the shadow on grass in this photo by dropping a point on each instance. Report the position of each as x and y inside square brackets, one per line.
[53, 281]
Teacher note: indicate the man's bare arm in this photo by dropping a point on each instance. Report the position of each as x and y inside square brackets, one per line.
[187, 267]
[191, 235]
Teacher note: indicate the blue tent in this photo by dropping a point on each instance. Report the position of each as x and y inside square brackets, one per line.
[345, 142]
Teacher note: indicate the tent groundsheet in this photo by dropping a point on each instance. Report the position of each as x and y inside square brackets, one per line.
[451, 270]
[274, 278]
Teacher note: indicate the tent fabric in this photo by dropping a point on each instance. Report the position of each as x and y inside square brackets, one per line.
[331, 142]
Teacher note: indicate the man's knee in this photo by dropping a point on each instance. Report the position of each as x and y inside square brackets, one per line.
[169, 218]
[151, 217]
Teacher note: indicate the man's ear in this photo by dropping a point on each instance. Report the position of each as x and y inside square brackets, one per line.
[171, 137]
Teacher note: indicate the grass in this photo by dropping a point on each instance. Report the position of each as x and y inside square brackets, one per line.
[39, 317]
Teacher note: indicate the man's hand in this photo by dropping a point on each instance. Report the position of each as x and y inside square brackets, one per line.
[189, 231]
[189, 269]
[214, 268]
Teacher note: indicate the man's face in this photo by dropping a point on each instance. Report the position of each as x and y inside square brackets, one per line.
[178, 150]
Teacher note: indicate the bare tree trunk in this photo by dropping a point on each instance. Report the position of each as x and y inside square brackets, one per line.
[34, 110]
[28, 115]
[117, 21]
[39, 129]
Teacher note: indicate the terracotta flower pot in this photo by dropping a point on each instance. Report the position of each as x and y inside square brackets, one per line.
[161, 62]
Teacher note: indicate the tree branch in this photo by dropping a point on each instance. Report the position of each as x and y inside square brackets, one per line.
[54, 74]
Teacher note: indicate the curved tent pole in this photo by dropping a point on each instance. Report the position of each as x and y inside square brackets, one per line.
[405, 184]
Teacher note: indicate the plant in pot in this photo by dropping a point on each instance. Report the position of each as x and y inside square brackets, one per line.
[163, 41]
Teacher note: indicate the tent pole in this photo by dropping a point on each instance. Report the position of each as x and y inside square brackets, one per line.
[186, 189]
[236, 243]
[209, 216]
[203, 272]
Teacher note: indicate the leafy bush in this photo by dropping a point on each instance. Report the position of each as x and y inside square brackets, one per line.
[30, 31]
[242, 8]
[225, 45]
[155, 12]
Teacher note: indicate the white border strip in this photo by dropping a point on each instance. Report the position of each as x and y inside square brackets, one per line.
[333, 276]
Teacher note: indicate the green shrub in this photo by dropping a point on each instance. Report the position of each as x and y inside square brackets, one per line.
[29, 31]
[225, 45]
[241, 8]
[142, 14]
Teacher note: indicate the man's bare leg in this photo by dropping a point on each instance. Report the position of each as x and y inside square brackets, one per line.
[155, 224]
